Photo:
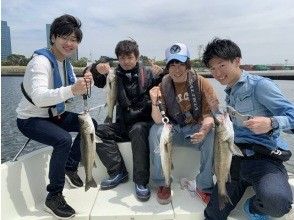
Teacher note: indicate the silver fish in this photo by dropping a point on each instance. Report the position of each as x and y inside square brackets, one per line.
[165, 147]
[111, 95]
[88, 147]
[235, 114]
[224, 149]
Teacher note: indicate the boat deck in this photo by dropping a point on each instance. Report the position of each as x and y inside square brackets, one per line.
[23, 189]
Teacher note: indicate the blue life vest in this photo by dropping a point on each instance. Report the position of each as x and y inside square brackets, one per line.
[69, 76]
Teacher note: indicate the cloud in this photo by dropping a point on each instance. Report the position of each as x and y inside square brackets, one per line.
[263, 30]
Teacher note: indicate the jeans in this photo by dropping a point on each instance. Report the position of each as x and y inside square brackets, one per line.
[269, 179]
[65, 155]
[111, 157]
[204, 179]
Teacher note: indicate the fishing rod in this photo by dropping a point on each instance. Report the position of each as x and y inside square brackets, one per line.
[93, 108]
[18, 153]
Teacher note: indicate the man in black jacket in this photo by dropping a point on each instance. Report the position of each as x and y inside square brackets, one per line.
[133, 118]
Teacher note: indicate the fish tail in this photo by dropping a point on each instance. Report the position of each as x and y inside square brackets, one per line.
[91, 183]
[223, 200]
[98, 139]
[108, 120]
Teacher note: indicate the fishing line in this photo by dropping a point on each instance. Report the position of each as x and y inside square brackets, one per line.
[89, 90]
[87, 95]
[165, 119]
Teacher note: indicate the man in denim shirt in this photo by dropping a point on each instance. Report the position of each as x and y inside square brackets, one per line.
[271, 113]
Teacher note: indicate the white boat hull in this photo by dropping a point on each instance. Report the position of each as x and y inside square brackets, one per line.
[23, 190]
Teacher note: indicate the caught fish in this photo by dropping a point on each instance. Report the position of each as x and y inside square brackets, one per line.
[235, 114]
[165, 147]
[88, 147]
[224, 149]
[111, 95]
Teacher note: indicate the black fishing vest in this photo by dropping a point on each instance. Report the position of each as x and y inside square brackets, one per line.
[173, 109]
[143, 82]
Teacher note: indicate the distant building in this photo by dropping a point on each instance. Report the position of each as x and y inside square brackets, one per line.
[262, 67]
[73, 57]
[48, 35]
[5, 40]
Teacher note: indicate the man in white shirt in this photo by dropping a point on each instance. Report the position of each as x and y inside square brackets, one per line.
[41, 115]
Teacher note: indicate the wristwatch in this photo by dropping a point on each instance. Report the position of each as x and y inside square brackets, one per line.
[274, 123]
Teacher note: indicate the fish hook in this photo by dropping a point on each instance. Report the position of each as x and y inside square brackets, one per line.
[165, 119]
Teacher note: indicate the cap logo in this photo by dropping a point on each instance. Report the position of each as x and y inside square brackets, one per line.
[175, 49]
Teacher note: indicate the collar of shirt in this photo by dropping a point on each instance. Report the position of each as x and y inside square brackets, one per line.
[240, 82]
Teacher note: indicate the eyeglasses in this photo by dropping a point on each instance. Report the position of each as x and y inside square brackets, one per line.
[70, 39]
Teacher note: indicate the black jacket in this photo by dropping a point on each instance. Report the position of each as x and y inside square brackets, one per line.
[135, 105]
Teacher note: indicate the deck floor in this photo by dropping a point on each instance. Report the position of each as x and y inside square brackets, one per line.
[121, 204]
[23, 190]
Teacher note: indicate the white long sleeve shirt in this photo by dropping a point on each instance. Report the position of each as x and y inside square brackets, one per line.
[39, 85]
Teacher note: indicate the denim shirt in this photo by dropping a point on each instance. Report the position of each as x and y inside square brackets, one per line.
[260, 96]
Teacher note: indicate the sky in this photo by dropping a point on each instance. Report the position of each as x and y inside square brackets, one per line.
[264, 30]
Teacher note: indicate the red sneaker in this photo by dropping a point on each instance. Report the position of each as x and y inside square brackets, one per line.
[163, 195]
[205, 197]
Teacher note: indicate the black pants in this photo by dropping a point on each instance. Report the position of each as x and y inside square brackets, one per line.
[65, 155]
[269, 179]
[111, 157]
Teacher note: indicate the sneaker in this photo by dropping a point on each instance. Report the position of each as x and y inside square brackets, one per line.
[114, 181]
[57, 206]
[73, 179]
[205, 197]
[163, 195]
[253, 216]
[142, 192]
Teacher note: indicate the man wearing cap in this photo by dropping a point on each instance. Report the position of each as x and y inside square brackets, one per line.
[186, 97]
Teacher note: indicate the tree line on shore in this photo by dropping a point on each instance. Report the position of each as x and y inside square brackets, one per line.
[21, 60]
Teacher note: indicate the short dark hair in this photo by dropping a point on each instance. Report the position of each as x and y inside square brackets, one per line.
[127, 47]
[221, 48]
[65, 25]
[187, 63]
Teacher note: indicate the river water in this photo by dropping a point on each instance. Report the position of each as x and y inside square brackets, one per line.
[12, 140]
